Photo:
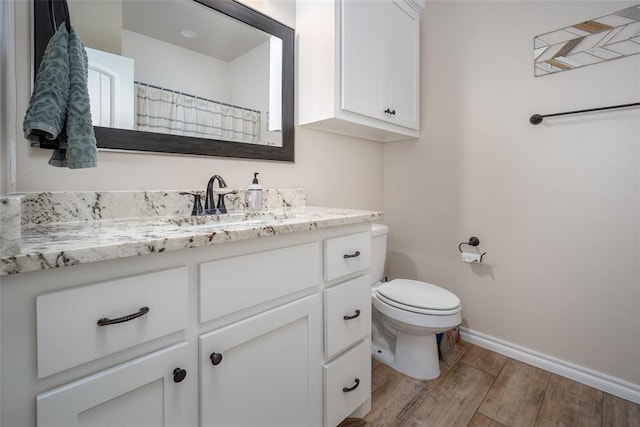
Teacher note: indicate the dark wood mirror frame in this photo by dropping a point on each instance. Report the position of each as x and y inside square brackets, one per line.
[122, 139]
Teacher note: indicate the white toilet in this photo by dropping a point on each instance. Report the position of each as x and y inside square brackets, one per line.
[407, 315]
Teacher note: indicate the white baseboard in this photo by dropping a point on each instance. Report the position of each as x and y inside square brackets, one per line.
[607, 383]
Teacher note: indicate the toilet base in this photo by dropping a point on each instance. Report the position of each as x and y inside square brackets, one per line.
[415, 356]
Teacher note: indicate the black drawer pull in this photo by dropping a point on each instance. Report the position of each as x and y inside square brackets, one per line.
[353, 255]
[104, 321]
[352, 317]
[348, 389]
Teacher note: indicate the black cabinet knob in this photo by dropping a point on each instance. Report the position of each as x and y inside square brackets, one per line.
[179, 375]
[216, 358]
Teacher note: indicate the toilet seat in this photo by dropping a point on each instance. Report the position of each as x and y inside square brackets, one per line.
[418, 297]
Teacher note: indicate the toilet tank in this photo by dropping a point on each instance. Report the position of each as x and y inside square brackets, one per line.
[378, 251]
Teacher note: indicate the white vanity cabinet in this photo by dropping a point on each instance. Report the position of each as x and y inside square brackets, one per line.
[359, 67]
[347, 327]
[260, 371]
[98, 344]
[73, 328]
[247, 333]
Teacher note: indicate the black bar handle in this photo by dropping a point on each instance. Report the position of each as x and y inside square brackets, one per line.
[352, 317]
[348, 389]
[353, 255]
[536, 119]
[105, 321]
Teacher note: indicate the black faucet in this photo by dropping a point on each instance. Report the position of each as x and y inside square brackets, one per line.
[209, 206]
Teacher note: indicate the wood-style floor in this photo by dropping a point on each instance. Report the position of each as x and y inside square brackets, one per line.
[478, 387]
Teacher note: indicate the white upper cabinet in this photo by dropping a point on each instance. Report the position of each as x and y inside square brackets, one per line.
[358, 68]
[379, 55]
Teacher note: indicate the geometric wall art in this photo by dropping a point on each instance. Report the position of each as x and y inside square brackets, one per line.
[609, 37]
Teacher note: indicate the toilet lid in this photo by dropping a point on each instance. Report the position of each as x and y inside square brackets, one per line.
[419, 294]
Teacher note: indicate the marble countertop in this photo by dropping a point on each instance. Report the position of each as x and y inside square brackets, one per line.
[53, 245]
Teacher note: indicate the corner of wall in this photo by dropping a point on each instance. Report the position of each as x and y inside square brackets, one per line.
[8, 96]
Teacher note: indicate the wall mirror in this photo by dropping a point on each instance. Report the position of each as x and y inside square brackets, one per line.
[205, 77]
[609, 37]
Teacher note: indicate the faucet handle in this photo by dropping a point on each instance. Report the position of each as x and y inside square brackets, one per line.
[221, 208]
[197, 203]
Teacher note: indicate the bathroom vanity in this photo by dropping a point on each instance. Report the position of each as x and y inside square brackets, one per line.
[250, 319]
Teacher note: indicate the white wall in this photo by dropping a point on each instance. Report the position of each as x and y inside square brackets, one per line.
[556, 206]
[335, 171]
[249, 76]
[177, 68]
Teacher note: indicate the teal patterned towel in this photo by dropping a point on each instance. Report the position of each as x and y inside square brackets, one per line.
[59, 113]
[47, 109]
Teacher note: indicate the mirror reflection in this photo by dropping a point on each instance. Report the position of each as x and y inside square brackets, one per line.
[612, 36]
[169, 67]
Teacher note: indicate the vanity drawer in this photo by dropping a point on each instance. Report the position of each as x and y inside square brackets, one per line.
[67, 321]
[233, 284]
[346, 254]
[343, 394]
[347, 314]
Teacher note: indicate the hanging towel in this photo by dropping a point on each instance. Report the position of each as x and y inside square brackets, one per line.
[72, 137]
[47, 109]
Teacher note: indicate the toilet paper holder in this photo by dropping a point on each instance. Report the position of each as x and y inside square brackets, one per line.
[473, 241]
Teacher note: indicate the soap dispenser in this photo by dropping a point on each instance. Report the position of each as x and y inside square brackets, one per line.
[254, 195]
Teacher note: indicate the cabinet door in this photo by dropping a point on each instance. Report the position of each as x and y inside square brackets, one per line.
[380, 60]
[362, 58]
[142, 392]
[264, 370]
[402, 38]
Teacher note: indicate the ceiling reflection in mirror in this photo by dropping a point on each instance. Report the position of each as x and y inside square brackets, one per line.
[609, 37]
[170, 67]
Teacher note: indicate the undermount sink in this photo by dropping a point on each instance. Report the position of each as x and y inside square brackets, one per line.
[232, 220]
[226, 224]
